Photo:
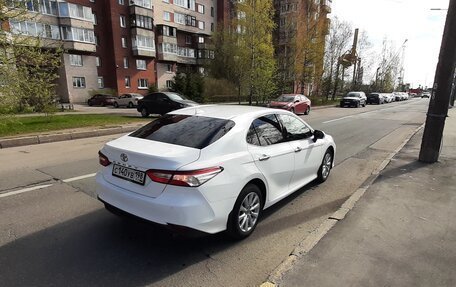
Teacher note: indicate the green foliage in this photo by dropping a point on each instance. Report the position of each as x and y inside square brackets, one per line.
[219, 90]
[153, 88]
[244, 54]
[190, 85]
[29, 71]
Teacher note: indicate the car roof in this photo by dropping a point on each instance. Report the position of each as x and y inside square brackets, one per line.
[228, 111]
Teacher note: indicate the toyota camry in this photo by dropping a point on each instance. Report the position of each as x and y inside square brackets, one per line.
[212, 168]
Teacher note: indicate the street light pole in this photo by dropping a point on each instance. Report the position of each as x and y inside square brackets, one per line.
[438, 106]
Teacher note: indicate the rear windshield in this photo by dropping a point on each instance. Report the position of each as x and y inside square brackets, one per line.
[354, 95]
[184, 130]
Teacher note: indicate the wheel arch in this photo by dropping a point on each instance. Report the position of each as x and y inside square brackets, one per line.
[262, 186]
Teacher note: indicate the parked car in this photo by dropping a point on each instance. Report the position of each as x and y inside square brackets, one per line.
[162, 103]
[388, 97]
[295, 103]
[212, 168]
[101, 100]
[375, 98]
[354, 99]
[425, 95]
[129, 100]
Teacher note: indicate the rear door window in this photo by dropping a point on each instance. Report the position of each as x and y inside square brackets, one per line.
[184, 130]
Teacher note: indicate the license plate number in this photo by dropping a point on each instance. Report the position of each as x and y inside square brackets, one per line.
[129, 174]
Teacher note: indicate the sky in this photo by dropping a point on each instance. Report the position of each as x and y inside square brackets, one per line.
[400, 20]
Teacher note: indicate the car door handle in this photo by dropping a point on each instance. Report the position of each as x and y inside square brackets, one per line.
[264, 157]
[298, 149]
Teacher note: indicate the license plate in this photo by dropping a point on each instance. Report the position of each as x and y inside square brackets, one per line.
[129, 174]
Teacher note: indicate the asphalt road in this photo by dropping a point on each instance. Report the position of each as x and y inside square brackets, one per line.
[54, 233]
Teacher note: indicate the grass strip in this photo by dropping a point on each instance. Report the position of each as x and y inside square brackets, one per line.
[40, 124]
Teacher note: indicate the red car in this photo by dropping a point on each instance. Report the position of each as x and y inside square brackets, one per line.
[101, 100]
[295, 103]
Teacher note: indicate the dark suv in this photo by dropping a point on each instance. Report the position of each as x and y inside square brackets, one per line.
[375, 98]
[162, 103]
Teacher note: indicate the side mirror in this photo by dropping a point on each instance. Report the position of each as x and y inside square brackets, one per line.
[318, 135]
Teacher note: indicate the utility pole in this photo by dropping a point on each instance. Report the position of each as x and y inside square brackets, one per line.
[438, 106]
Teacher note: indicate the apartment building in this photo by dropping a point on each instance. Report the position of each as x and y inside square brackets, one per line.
[300, 37]
[124, 45]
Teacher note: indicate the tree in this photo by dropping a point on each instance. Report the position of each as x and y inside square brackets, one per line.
[190, 85]
[29, 64]
[339, 39]
[244, 51]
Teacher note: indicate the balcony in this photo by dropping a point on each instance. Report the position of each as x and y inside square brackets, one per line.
[143, 32]
[186, 60]
[166, 39]
[78, 23]
[326, 26]
[79, 46]
[143, 52]
[326, 8]
[205, 46]
[138, 10]
[171, 57]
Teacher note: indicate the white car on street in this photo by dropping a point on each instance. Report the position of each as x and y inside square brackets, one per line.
[212, 168]
[129, 100]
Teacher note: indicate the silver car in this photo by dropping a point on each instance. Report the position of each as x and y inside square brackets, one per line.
[129, 100]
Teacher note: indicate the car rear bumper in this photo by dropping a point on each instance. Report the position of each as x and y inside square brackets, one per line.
[187, 208]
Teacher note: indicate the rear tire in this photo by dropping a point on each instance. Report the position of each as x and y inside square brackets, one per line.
[130, 105]
[116, 105]
[325, 167]
[246, 211]
[144, 113]
[90, 103]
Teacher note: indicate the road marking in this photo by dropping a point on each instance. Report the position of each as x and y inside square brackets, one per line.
[338, 119]
[79, 177]
[24, 190]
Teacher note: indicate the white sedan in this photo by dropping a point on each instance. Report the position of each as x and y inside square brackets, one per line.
[212, 168]
[127, 100]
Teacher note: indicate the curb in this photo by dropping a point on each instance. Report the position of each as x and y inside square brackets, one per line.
[40, 139]
[308, 243]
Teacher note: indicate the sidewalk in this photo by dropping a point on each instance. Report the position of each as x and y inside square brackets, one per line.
[402, 232]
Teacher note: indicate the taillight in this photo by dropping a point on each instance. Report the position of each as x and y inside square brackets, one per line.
[191, 178]
[102, 159]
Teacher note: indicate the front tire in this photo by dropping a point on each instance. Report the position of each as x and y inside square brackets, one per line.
[130, 105]
[325, 167]
[116, 105]
[307, 110]
[246, 211]
[144, 113]
[357, 105]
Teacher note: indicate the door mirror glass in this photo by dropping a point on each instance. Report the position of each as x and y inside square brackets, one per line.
[318, 135]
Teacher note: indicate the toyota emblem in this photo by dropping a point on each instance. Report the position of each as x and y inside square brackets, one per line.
[123, 157]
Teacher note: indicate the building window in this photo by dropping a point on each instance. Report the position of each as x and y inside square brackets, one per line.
[142, 84]
[212, 11]
[201, 40]
[142, 3]
[201, 8]
[166, 1]
[124, 42]
[127, 81]
[169, 31]
[190, 20]
[75, 11]
[142, 21]
[169, 84]
[123, 22]
[79, 82]
[144, 43]
[179, 18]
[141, 65]
[166, 16]
[100, 82]
[78, 34]
[201, 25]
[212, 27]
[121, 2]
[95, 21]
[125, 62]
[98, 61]
[97, 40]
[182, 3]
[76, 60]
[169, 68]
[168, 48]
[191, 5]
[188, 39]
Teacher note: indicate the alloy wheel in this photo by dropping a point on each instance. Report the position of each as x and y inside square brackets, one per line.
[326, 165]
[249, 211]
